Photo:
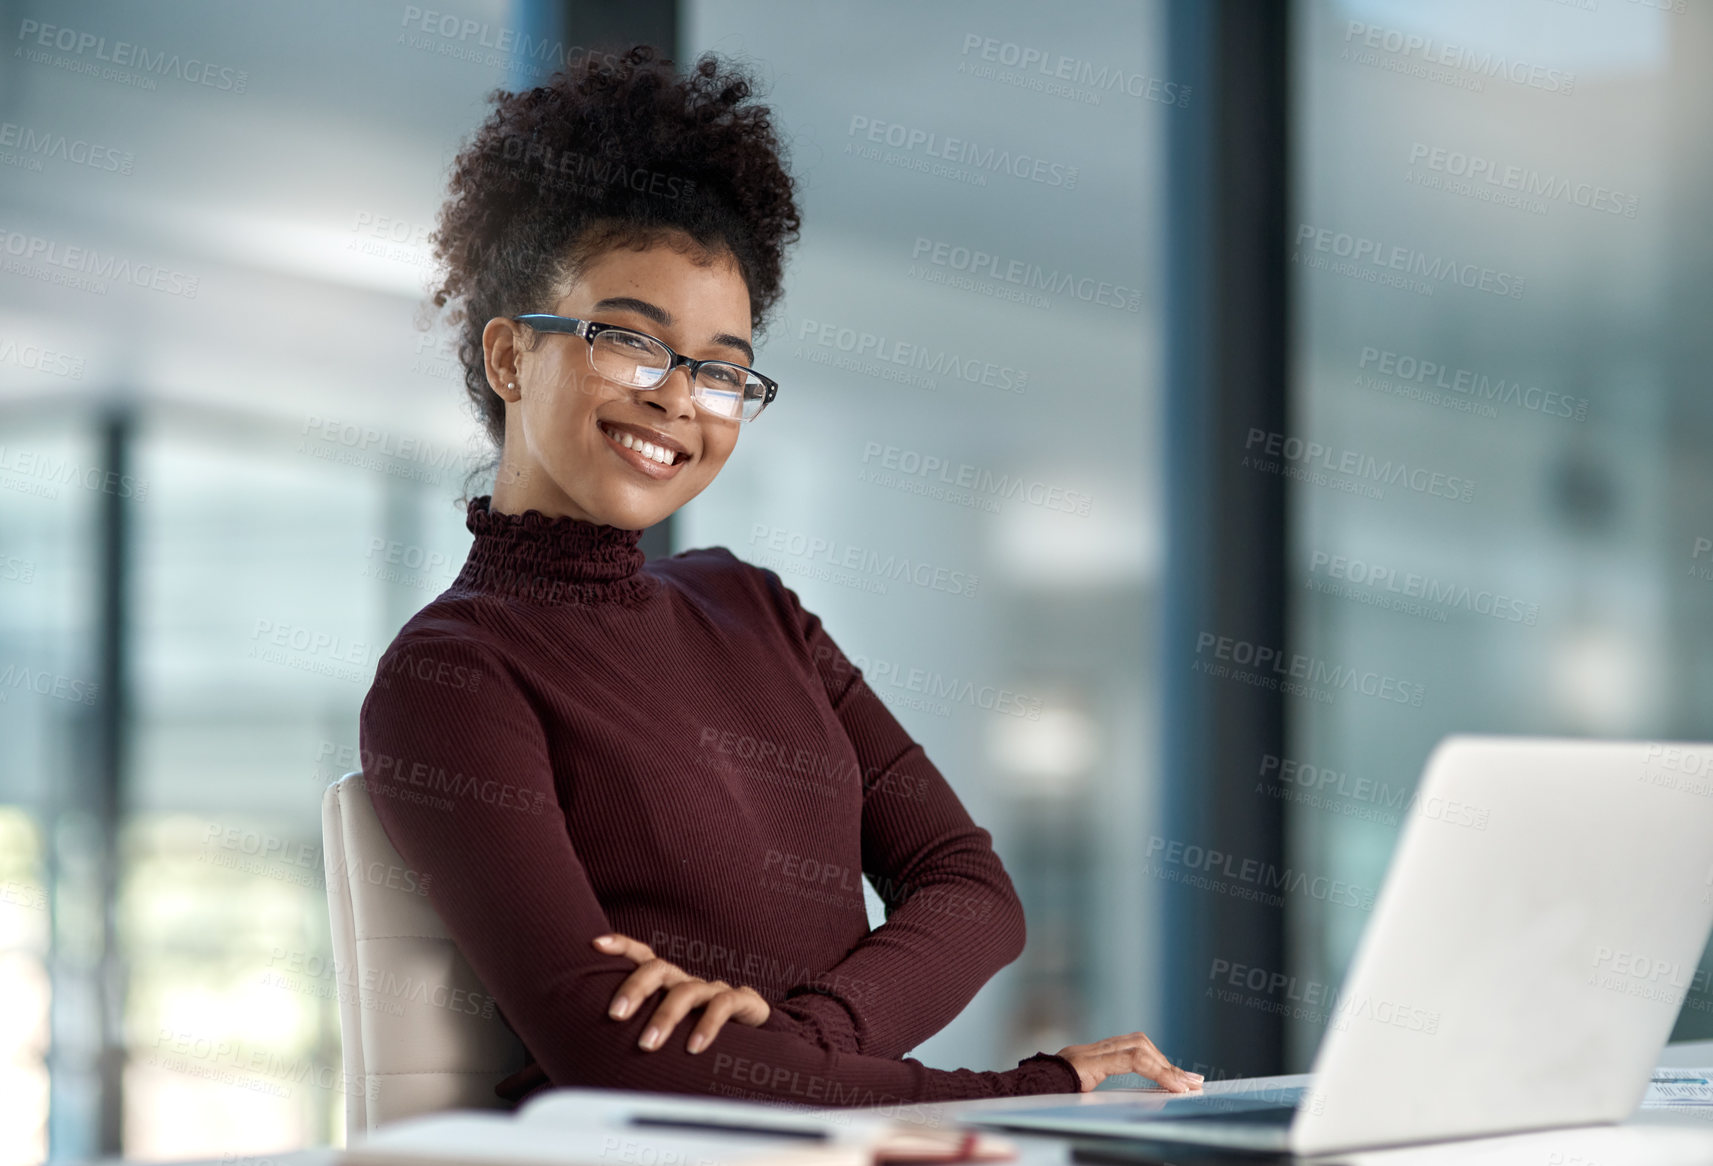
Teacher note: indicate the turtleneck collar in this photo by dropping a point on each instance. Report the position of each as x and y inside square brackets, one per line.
[555, 561]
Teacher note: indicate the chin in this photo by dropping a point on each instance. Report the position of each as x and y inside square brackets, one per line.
[642, 522]
[632, 516]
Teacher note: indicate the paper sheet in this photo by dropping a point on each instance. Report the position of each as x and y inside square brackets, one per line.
[1671, 1088]
[466, 1138]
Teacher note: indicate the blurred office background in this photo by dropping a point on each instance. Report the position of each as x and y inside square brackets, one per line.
[229, 469]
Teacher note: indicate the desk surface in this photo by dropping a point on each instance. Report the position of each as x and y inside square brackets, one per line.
[1651, 1138]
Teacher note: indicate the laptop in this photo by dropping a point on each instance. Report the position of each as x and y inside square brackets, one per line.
[1542, 917]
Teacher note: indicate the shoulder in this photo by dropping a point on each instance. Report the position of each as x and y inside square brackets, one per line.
[717, 576]
[470, 621]
[452, 646]
[745, 599]
[713, 563]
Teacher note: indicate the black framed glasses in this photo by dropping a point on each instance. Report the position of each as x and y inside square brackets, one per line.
[640, 361]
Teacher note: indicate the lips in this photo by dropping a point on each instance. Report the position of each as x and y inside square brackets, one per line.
[634, 457]
[652, 436]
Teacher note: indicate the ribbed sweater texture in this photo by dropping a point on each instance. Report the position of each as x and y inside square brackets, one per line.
[569, 741]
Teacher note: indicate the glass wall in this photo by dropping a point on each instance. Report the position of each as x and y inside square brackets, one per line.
[1501, 261]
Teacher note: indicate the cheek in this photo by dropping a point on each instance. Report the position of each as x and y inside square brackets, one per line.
[563, 399]
[718, 450]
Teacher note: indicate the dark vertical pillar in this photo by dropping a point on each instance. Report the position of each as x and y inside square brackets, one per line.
[1227, 359]
[106, 790]
[613, 26]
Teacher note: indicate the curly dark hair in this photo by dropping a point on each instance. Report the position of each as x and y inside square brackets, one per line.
[616, 151]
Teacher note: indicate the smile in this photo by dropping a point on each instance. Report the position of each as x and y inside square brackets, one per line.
[656, 461]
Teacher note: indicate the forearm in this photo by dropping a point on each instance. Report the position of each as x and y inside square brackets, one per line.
[578, 1044]
[953, 918]
[953, 921]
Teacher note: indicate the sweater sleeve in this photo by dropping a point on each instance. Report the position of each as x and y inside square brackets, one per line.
[953, 918]
[492, 847]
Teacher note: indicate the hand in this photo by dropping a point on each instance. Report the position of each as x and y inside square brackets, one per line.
[1131, 1053]
[719, 1001]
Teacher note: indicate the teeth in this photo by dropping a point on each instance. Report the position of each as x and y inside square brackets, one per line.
[646, 448]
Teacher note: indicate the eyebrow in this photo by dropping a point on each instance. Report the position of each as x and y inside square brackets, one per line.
[663, 317]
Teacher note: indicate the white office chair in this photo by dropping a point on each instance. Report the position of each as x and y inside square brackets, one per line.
[410, 1007]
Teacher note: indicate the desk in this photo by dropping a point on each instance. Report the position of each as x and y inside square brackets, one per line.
[1651, 1138]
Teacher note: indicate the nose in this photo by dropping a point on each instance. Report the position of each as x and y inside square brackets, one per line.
[674, 395]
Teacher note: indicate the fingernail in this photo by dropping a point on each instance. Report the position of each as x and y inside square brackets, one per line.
[620, 1008]
[696, 1042]
[604, 940]
[651, 1038]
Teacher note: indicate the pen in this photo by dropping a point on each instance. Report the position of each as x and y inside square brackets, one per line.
[811, 1135]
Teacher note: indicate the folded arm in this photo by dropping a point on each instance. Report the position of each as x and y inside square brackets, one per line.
[506, 881]
[953, 918]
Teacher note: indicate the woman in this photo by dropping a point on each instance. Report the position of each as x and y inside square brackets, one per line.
[644, 799]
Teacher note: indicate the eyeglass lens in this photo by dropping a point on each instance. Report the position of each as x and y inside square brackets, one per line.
[630, 358]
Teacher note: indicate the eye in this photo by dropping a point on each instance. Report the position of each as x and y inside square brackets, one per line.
[721, 403]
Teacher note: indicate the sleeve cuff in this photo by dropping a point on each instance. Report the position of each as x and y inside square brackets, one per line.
[820, 1019]
[1067, 1075]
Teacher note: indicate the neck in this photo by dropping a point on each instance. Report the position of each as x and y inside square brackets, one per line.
[552, 559]
[513, 495]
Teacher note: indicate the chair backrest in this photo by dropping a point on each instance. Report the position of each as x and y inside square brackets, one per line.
[420, 1033]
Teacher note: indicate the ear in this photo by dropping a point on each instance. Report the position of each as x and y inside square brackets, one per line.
[500, 356]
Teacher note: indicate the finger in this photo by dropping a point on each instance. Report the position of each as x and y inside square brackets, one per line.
[643, 983]
[719, 1009]
[1169, 1076]
[1152, 1063]
[743, 1005]
[1121, 1043]
[1137, 1046]
[751, 1008]
[632, 949]
[679, 1001]
[1155, 1065]
[1126, 1058]
[1175, 1080]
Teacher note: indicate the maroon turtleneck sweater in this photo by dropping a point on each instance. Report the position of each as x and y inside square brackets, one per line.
[567, 742]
